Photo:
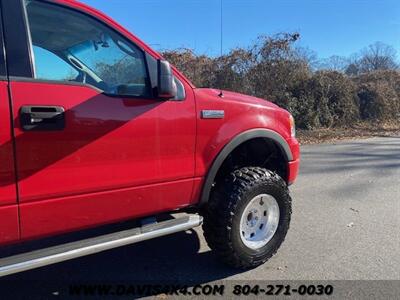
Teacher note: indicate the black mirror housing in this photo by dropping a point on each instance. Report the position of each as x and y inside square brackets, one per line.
[166, 87]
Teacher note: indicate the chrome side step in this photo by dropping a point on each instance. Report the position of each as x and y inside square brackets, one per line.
[52, 255]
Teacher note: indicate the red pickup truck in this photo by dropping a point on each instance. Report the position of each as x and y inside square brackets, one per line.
[97, 128]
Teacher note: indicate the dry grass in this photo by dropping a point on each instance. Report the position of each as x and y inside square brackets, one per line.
[360, 130]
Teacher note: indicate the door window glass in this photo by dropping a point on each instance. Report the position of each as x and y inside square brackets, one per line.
[71, 46]
[59, 70]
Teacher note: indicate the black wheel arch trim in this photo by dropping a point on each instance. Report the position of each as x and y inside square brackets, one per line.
[235, 142]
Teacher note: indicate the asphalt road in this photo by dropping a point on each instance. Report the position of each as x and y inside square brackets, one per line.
[345, 225]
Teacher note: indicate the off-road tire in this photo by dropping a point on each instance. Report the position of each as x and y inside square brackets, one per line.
[223, 213]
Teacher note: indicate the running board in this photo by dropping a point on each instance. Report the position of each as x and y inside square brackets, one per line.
[56, 254]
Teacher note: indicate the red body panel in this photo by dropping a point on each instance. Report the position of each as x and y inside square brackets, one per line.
[109, 144]
[9, 230]
[7, 173]
[294, 165]
[9, 227]
[59, 215]
[242, 113]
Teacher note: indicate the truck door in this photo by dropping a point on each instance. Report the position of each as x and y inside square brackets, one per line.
[93, 144]
[9, 230]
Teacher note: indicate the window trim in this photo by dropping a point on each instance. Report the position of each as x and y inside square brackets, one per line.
[18, 56]
[152, 96]
[3, 64]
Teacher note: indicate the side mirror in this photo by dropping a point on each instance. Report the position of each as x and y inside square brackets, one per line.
[166, 83]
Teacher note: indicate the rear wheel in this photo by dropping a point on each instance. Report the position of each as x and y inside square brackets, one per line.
[247, 217]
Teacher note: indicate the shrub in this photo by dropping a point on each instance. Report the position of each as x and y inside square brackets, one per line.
[379, 94]
[200, 69]
[275, 70]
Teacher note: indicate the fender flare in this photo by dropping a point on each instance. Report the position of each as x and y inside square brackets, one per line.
[235, 142]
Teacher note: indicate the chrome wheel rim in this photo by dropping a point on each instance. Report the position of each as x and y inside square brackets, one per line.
[259, 221]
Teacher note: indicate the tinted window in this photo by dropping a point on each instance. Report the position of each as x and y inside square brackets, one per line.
[71, 46]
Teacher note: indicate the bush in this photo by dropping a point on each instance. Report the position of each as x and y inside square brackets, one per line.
[275, 70]
[199, 69]
[379, 94]
[326, 99]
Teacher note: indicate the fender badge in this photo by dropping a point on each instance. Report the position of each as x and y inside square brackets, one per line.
[212, 114]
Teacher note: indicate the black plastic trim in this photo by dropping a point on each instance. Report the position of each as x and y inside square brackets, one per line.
[17, 39]
[232, 145]
[3, 67]
[49, 118]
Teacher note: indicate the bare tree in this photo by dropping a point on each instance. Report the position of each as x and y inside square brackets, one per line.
[308, 55]
[353, 67]
[378, 56]
[334, 63]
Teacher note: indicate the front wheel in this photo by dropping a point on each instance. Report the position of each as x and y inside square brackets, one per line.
[247, 217]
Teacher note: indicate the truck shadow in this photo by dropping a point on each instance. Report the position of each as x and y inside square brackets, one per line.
[173, 259]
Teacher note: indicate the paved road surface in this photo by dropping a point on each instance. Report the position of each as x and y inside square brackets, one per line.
[346, 225]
